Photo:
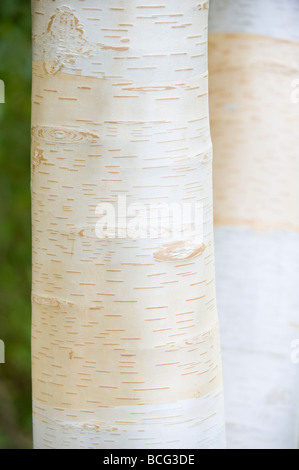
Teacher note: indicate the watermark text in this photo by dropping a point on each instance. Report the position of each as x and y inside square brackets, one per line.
[2, 352]
[295, 92]
[2, 92]
[145, 221]
[295, 351]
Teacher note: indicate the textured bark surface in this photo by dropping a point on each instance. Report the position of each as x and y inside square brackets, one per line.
[253, 62]
[125, 334]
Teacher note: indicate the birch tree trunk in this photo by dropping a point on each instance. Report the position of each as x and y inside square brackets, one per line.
[125, 341]
[254, 50]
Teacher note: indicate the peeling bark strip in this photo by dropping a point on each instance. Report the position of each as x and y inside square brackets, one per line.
[253, 62]
[125, 340]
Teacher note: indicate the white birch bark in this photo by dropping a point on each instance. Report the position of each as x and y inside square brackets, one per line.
[125, 341]
[254, 66]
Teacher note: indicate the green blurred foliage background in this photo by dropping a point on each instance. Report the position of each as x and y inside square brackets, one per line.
[15, 226]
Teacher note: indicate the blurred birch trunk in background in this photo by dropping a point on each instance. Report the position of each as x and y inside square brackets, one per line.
[254, 69]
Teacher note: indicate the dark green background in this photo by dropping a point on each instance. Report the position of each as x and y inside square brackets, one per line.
[15, 224]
